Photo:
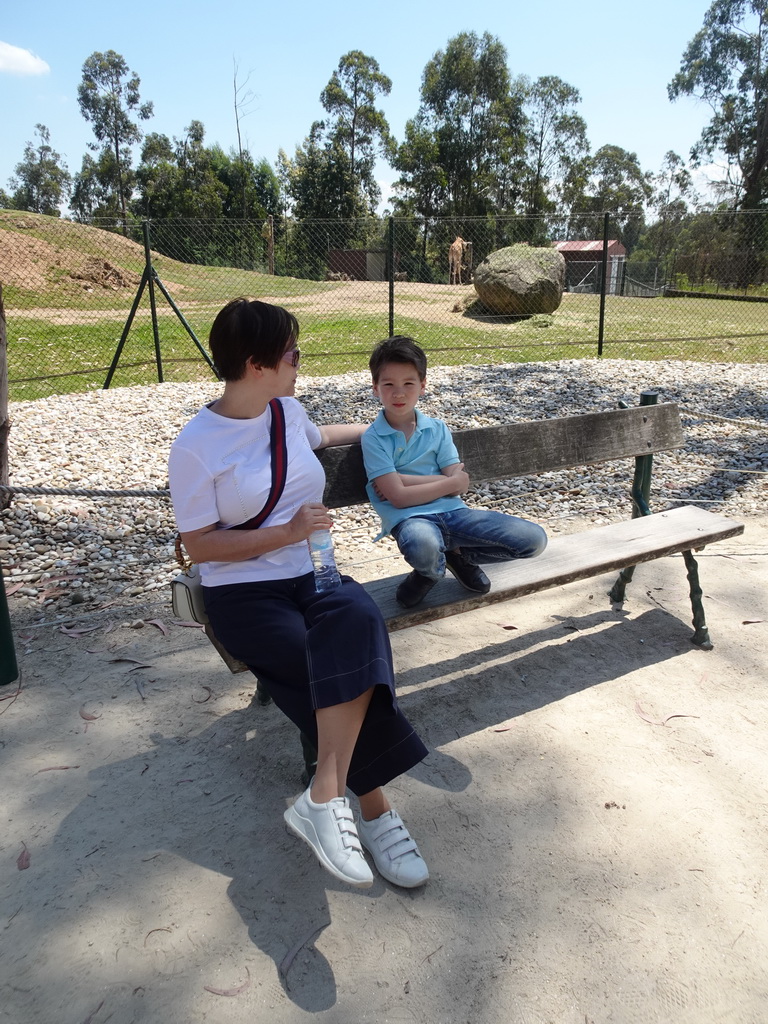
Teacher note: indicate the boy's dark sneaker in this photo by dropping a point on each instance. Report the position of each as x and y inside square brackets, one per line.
[413, 589]
[469, 576]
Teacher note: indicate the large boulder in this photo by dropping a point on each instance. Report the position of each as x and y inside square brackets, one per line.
[521, 280]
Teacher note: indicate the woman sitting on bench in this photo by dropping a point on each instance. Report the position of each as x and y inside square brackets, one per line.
[324, 657]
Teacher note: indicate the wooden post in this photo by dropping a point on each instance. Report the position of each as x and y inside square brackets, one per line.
[268, 234]
[9, 670]
[5, 423]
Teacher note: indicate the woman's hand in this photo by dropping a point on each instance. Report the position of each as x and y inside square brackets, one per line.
[310, 517]
[210, 544]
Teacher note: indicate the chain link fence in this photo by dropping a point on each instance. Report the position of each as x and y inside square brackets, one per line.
[88, 307]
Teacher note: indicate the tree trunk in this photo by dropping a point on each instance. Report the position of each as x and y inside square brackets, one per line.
[5, 423]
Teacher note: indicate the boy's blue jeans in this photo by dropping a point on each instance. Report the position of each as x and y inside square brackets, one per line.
[482, 536]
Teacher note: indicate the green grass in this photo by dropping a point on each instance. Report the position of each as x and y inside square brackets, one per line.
[332, 343]
[63, 330]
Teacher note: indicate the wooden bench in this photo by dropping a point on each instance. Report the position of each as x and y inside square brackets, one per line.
[542, 446]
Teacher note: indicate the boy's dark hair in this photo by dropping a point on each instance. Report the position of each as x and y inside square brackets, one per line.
[247, 329]
[399, 349]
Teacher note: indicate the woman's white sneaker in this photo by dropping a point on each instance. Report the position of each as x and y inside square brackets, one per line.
[394, 852]
[330, 830]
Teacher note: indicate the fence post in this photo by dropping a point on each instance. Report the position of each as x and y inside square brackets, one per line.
[5, 423]
[641, 492]
[603, 286]
[9, 671]
[152, 304]
[391, 261]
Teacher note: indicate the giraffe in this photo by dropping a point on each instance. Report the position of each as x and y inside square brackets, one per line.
[455, 256]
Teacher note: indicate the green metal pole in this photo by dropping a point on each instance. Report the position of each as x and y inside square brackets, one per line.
[9, 669]
[152, 304]
[641, 492]
[603, 286]
[644, 466]
[391, 261]
[126, 329]
[184, 323]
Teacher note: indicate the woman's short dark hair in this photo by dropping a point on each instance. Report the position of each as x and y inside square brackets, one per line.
[398, 349]
[246, 329]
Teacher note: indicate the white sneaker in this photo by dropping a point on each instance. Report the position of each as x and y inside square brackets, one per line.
[394, 853]
[330, 831]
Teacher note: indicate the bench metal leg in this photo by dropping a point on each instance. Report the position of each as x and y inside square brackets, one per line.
[701, 633]
[616, 593]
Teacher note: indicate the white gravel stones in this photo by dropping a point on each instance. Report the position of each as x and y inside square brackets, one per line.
[61, 551]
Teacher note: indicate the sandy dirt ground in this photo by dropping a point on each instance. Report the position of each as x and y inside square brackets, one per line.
[593, 859]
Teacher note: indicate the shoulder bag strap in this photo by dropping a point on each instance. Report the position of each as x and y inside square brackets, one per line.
[279, 454]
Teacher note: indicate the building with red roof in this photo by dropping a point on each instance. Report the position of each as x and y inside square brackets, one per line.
[583, 263]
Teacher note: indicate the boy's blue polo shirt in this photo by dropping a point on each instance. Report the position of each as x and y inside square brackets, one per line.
[428, 450]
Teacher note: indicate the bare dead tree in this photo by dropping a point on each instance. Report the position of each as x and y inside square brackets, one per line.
[242, 96]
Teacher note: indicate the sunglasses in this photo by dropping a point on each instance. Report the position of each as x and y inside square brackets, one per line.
[292, 356]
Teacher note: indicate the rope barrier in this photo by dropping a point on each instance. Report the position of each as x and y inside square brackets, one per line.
[754, 424]
[83, 492]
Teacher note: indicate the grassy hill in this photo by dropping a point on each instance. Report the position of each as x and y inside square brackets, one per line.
[47, 262]
[68, 290]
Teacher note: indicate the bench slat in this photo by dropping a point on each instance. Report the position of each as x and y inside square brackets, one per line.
[542, 446]
[534, 446]
[566, 559]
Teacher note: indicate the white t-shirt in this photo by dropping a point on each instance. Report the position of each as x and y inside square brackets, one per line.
[220, 472]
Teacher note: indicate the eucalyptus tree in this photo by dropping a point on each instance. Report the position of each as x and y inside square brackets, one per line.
[325, 211]
[556, 143]
[423, 186]
[41, 181]
[158, 179]
[617, 185]
[475, 121]
[185, 178]
[725, 64]
[93, 195]
[357, 125]
[331, 175]
[316, 179]
[672, 192]
[462, 155]
[186, 181]
[109, 99]
[672, 199]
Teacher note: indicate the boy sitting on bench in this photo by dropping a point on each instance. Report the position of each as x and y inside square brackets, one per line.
[414, 482]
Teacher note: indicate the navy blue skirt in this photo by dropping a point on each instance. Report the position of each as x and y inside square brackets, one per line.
[314, 651]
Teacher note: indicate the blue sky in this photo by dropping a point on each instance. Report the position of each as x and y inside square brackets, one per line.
[620, 57]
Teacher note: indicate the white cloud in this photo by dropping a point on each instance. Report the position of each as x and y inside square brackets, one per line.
[15, 61]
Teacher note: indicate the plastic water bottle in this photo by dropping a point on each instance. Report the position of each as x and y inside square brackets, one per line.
[321, 551]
